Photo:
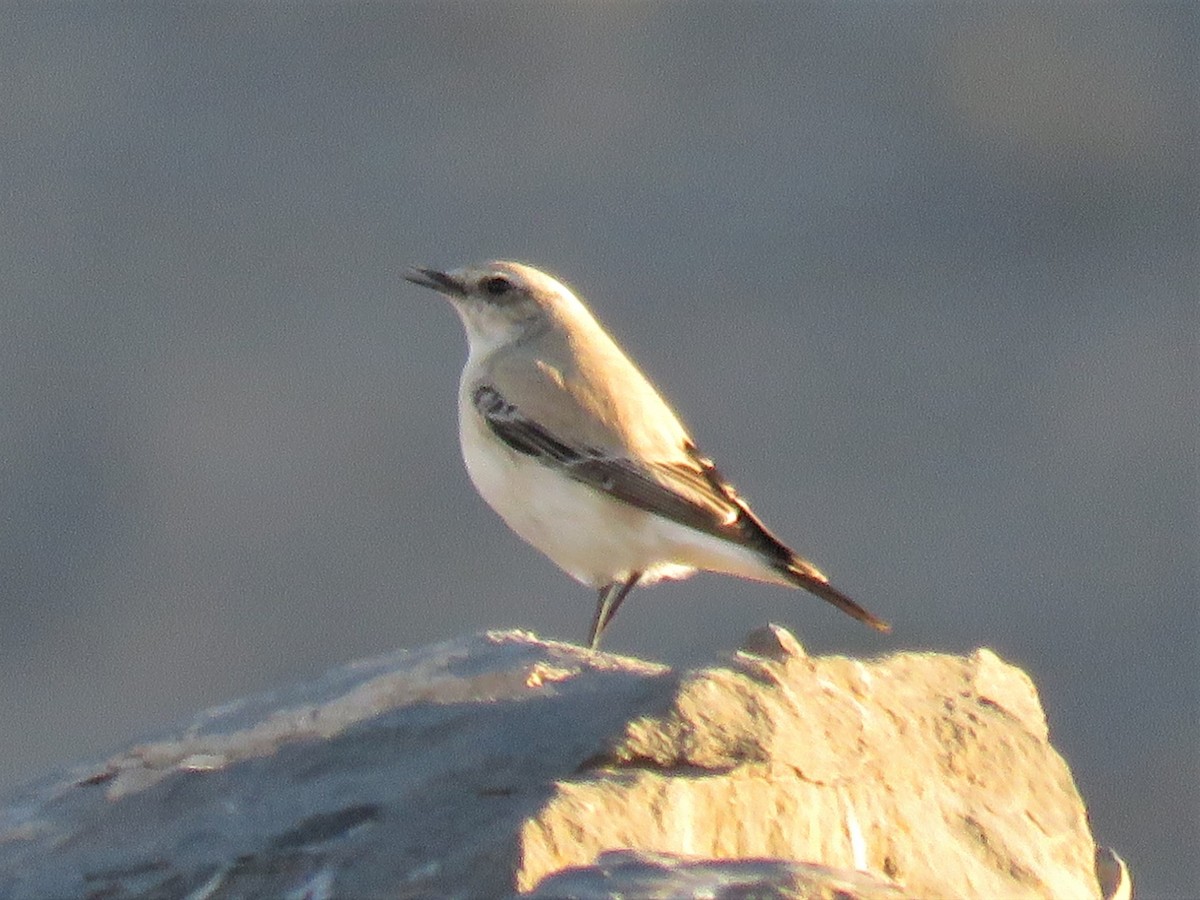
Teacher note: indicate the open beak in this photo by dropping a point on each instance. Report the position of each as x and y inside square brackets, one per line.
[439, 281]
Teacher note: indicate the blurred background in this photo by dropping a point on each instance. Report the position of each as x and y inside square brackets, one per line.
[921, 278]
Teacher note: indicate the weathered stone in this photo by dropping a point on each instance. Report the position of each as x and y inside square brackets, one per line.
[649, 876]
[480, 766]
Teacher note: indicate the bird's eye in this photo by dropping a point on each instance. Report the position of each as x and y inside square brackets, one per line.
[497, 285]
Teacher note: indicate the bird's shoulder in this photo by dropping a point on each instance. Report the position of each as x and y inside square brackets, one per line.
[537, 414]
[602, 403]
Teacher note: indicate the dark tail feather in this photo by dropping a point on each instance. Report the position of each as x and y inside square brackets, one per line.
[751, 532]
[814, 582]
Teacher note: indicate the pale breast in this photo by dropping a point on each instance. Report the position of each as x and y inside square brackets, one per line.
[581, 531]
[593, 538]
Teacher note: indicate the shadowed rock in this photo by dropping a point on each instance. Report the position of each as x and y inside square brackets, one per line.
[484, 765]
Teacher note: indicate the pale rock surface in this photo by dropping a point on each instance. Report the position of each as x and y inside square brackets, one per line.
[481, 766]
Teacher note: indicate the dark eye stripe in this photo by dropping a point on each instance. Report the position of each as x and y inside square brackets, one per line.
[496, 285]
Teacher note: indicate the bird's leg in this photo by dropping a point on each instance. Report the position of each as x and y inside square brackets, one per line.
[608, 601]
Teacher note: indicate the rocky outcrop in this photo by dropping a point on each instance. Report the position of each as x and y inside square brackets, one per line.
[634, 874]
[500, 764]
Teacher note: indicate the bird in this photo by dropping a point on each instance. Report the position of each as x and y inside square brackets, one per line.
[575, 449]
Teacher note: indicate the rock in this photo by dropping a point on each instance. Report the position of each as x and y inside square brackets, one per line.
[629, 873]
[1113, 875]
[485, 765]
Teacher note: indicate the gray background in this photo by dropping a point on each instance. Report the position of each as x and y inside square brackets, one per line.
[921, 278]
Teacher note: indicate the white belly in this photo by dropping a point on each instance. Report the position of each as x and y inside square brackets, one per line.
[593, 538]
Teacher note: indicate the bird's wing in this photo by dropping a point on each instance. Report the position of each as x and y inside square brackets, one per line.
[676, 482]
[687, 489]
[596, 399]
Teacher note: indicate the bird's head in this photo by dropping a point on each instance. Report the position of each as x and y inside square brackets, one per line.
[500, 301]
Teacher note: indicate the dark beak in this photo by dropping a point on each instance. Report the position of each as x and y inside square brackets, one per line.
[439, 281]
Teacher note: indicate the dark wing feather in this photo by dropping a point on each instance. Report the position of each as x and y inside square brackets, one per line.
[691, 493]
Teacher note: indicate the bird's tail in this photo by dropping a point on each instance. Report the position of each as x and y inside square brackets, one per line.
[748, 530]
[805, 575]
